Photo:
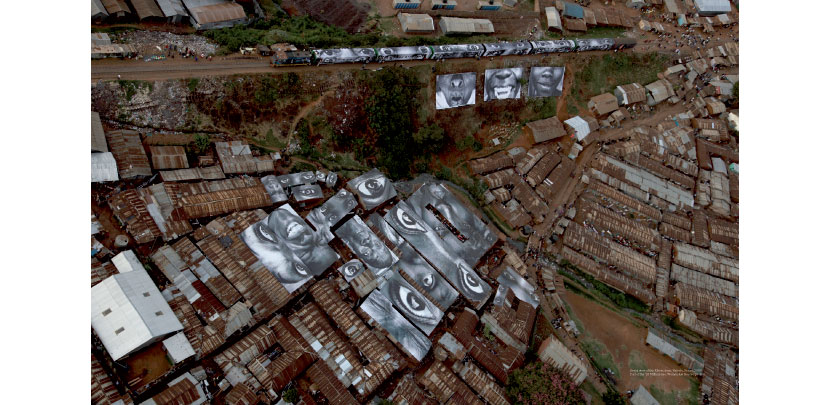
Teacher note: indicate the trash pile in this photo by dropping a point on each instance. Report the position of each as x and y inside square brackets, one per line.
[158, 43]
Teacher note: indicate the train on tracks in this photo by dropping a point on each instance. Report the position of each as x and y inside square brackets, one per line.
[441, 52]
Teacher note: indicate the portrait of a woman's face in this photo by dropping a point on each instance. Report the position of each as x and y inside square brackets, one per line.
[546, 81]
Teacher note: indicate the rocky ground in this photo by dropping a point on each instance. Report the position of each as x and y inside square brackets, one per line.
[154, 42]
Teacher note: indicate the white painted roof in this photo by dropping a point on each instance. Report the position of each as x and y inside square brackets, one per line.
[178, 347]
[126, 262]
[581, 127]
[128, 310]
[553, 18]
[104, 167]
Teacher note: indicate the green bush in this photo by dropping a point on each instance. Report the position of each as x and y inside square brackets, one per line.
[291, 395]
[542, 384]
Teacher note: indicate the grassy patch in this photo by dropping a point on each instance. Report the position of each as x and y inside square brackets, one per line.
[603, 73]
[681, 329]
[596, 397]
[131, 87]
[596, 32]
[600, 354]
[192, 83]
[690, 396]
[496, 220]
[619, 298]
[636, 361]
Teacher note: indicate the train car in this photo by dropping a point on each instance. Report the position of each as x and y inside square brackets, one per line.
[292, 58]
[595, 44]
[403, 53]
[457, 51]
[556, 46]
[623, 43]
[344, 55]
[507, 48]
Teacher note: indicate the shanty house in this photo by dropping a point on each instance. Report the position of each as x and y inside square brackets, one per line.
[554, 21]
[488, 5]
[416, 23]
[572, 10]
[553, 352]
[658, 92]
[580, 127]
[168, 157]
[546, 129]
[707, 8]
[236, 157]
[636, 4]
[147, 9]
[173, 10]
[128, 311]
[572, 24]
[100, 38]
[99, 12]
[453, 25]
[643, 397]
[129, 154]
[116, 8]
[99, 140]
[104, 167]
[213, 14]
[630, 94]
[602, 104]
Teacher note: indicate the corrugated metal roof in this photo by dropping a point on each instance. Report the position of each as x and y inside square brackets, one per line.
[178, 347]
[128, 311]
[416, 22]
[129, 154]
[146, 9]
[572, 10]
[603, 103]
[580, 127]
[168, 157]
[465, 25]
[99, 140]
[172, 8]
[214, 11]
[712, 7]
[554, 21]
[196, 173]
[104, 167]
[116, 6]
[98, 9]
[546, 129]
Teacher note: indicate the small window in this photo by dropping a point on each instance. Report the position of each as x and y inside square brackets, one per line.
[107, 312]
[119, 330]
[159, 313]
[146, 294]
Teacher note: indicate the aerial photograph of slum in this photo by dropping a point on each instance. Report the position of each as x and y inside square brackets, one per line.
[414, 202]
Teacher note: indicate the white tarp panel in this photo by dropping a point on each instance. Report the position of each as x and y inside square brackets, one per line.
[126, 262]
[580, 126]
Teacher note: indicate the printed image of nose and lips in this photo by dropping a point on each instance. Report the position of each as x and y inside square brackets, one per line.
[546, 81]
[502, 84]
[455, 90]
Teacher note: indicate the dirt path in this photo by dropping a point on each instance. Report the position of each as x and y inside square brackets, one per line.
[307, 109]
[626, 343]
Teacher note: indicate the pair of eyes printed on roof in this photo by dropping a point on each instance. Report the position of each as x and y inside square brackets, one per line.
[410, 302]
[372, 187]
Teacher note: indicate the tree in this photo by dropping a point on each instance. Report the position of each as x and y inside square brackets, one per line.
[385, 402]
[430, 138]
[540, 383]
[735, 90]
[202, 143]
[613, 398]
[291, 395]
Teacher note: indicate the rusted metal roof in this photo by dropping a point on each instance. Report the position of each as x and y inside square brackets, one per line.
[196, 173]
[214, 13]
[442, 383]
[99, 140]
[116, 6]
[328, 384]
[496, 161]
[129, 154]
[206, 199]
[168, 157]
[236, 157]
[146, 9]
[546, 129]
